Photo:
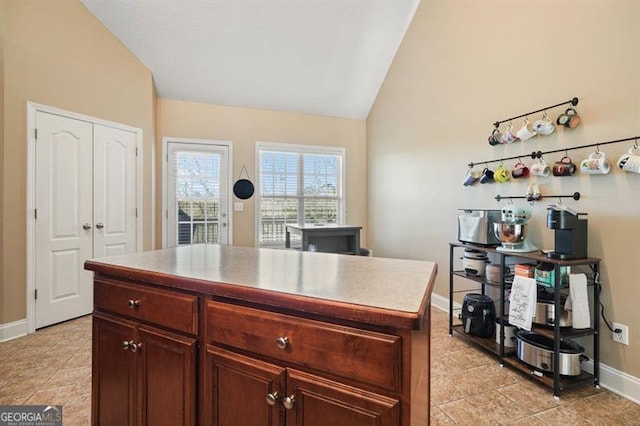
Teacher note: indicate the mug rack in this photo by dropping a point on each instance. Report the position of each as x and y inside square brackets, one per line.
[573, 102]
[575, 196]
[539, 154]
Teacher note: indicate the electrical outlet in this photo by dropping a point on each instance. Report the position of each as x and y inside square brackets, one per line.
[623, 336]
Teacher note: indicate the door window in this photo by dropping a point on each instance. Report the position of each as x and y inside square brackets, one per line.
[197, 193]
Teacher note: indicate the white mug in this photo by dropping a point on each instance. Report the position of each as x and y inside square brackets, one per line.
[525, 133]
[544, 126]
[509, 136]
[630, 162]
[540, 169]
[595, 164]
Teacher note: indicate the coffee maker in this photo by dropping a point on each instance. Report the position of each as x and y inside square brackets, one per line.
[571, 232]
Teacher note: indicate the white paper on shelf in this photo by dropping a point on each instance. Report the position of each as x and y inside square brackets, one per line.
[522, 302]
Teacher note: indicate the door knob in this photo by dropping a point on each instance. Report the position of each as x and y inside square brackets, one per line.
[86, 226]
[272, 398]
[99, 225]
[135, 347]
[289, 402]
[126, 344]
[133, 303]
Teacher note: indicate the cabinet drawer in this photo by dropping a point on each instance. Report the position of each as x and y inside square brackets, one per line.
[173, 310]
[361, 355]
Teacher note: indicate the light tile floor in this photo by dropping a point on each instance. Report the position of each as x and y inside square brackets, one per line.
[468, 387]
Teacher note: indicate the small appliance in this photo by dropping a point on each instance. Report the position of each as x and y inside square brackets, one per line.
[476, 226]
[570, 232]
[512, 230]
[474, 262]
[537, 351]
[478, 315]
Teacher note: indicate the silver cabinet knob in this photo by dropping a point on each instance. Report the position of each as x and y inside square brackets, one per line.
[133, 303]
[282, 342]
[272, 398]
[99, 225]
[289, 402]
[126, 344]
[135, 347]
[86, 226]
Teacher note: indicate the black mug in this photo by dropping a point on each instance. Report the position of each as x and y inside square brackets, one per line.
[487, 176]
[569, 119]
[564, 167]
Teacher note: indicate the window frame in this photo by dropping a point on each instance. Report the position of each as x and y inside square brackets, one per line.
[262, 146]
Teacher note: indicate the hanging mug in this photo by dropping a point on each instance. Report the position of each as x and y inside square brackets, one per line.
[544, 126]
[487, 176]
[564, 167]
[501, 174]
[471, 177]
[525, 132]
[520, 170]
[540, 169]
[569, 119]
[595, 164]
[509, 136]
[495, 138]
[630, 162]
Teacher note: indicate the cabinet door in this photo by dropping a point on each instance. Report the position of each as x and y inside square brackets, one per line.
[238, 389]
[167, 385]
[314, 401]
[113, 375]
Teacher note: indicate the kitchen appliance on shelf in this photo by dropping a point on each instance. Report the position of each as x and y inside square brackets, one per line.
[474, 262]
[476, 226]
[536, 350]
[570, 232]
[546, 310]
[512, 230]
[478, 315]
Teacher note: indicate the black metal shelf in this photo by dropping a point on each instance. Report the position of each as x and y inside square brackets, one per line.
[507, 356]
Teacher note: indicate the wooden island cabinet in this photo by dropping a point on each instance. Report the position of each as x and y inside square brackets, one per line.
[236, 336]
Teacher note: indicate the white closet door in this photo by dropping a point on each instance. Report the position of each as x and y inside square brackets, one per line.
[64, 230]
[114, 191]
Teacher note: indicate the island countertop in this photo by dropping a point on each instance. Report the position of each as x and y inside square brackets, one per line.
[370, 290]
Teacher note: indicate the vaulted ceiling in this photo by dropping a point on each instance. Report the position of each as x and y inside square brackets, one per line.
[326, 57]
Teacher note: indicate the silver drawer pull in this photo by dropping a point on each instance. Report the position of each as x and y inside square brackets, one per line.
[125, 344]
[289, 402]
[272, 398]
[136, 347]
[282, 342]
[133, 303]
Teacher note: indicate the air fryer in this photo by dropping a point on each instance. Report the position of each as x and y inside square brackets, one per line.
[478, 315]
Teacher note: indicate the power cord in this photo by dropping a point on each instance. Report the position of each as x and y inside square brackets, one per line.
[597, 283]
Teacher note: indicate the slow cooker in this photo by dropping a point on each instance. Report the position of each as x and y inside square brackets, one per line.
[537, 351]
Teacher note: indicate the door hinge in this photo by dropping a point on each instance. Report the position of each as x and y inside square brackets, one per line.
[36, 294]
[166, 214]
[35, 213]
[136, 212]
[136, 151]
[35, 133]
[166, 157]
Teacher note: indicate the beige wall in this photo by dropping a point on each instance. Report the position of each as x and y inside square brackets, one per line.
[2, 129]
[58, 54]
[462, 66]
[245, 126]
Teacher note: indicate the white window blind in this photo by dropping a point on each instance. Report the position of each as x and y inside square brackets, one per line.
[298, 184]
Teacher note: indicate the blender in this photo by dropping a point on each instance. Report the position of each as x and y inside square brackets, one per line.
[512, 230]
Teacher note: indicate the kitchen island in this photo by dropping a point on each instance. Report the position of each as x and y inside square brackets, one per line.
[223, 335]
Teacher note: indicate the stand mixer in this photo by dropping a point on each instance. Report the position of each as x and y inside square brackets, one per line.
[512, 231]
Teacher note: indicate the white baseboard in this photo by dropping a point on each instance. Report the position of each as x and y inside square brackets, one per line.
[13, 330]
[614, 380]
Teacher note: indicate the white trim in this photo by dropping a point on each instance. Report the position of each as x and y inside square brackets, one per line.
[165, 152]
[13, 330]
[297, 148]
[32, 109]
[614, 380]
